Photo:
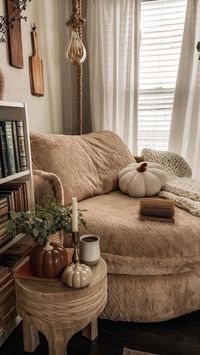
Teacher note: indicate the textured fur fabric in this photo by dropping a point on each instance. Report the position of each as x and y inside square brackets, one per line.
[180, 187]
[135, 247]
[87, 165]
[47, 187]
[153, 267]
[152, 298]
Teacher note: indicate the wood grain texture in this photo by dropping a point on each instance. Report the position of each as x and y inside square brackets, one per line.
[15, 48]
[36, 68]
[58, 311]
[91, 331]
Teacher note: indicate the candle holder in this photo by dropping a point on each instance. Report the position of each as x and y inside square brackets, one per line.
[75, 241]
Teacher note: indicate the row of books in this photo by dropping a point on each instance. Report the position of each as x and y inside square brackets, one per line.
[13, 197]
[12, 148]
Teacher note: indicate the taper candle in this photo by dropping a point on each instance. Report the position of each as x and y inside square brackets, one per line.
[74, 215]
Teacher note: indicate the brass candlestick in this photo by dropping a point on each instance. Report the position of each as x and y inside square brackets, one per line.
[75, 240]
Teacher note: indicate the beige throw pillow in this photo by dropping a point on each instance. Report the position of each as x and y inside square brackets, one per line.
[87, 165]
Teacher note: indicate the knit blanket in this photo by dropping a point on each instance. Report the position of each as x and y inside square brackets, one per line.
[180, 187]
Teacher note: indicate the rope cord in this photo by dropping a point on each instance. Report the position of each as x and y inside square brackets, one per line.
[80, 79]
[76, 21]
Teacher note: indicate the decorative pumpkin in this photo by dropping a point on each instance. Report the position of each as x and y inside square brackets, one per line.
[77, 275]
[139, 180]
[48, 261]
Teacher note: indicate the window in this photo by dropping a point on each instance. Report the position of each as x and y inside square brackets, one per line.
[162, 23]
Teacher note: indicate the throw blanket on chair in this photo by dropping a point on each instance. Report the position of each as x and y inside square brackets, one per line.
[180, 187]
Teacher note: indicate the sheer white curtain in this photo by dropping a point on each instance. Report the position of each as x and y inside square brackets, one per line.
[185, 124]
[113, 45]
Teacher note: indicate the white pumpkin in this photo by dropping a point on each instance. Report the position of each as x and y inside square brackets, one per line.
[143, 179]
[77, 275]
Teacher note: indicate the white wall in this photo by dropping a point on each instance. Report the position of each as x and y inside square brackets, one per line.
[45, 113]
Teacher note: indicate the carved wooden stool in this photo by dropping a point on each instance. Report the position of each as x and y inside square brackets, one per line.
[58, 311]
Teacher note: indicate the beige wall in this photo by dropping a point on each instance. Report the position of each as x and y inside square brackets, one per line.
[45, 113]
[56, 112]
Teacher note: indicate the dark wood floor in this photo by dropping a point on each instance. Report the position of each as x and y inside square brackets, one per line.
[180, 336]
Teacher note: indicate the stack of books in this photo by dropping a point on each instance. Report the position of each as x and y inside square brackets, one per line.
[13, 197]
[4, 216]
[12, 148]
[7, 302]
[157, 209]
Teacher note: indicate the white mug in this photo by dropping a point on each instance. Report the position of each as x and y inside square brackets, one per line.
[90, 249]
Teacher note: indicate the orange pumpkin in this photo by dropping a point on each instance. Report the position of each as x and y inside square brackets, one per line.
[49, 261]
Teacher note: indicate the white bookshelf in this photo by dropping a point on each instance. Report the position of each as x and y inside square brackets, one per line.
[15, 111]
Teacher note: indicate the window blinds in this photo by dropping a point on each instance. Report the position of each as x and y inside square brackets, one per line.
[162, 23]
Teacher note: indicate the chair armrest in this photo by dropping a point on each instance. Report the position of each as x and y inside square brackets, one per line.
[47, 188]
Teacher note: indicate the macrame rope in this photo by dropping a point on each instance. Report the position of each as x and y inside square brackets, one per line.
[76, 21]
[80, 80]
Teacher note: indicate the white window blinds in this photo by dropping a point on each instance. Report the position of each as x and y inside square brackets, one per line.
[162, 23]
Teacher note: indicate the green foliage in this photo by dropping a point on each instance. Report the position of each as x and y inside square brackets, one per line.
[42, 222]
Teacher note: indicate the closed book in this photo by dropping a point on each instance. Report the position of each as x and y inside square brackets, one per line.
[11, 200]
[2, 200]
[4, 204]
[20, 194]
[4, 239]
[4, 164]
[15, 143]
[3, 231]
[10, 155]
[5, 275]
[4, 210]
[4, 217]
[7, 305]
[21, 145]
[3, 224]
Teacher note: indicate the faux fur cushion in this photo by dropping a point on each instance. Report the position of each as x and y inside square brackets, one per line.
[87, 165]
[135, 247]
[47, 187]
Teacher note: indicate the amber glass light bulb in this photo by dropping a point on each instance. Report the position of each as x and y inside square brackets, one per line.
[75, 51]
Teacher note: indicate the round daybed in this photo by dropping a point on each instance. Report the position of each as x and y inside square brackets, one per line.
[153, 267]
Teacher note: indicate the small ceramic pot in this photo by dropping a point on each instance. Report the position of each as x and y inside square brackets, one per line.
[48, 261]
[89, 249]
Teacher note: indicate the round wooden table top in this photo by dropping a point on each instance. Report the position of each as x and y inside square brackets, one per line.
[49, 287]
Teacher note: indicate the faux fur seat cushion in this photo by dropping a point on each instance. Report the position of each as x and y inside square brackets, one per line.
[153, 267]
[87, 165]
[134, 247]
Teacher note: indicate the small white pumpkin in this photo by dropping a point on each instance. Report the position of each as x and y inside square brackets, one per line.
[77, 275]
[140, 180]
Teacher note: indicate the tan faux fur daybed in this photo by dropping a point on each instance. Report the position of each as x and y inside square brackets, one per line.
[153, 267]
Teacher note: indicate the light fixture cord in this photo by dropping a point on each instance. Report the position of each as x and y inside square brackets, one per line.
[80, 80]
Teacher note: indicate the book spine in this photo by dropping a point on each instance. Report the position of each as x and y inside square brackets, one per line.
[16, 149]
[3, 152]
[21, 146]
[1, 171]
[10, 156]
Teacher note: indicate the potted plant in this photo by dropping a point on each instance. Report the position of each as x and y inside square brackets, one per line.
[48, 258]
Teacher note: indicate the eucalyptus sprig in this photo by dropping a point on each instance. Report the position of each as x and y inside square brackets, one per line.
[42, 222]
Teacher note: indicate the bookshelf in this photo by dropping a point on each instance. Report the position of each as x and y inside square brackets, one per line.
[14, 111]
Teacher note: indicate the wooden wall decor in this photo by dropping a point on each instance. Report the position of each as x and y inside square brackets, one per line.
[36, 67]
[14, 34]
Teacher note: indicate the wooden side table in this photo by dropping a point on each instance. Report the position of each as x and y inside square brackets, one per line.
[58, 311]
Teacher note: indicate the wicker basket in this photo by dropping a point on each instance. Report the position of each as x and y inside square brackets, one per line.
[57, 237]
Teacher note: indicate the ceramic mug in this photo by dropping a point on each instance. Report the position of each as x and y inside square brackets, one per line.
[90, 249]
